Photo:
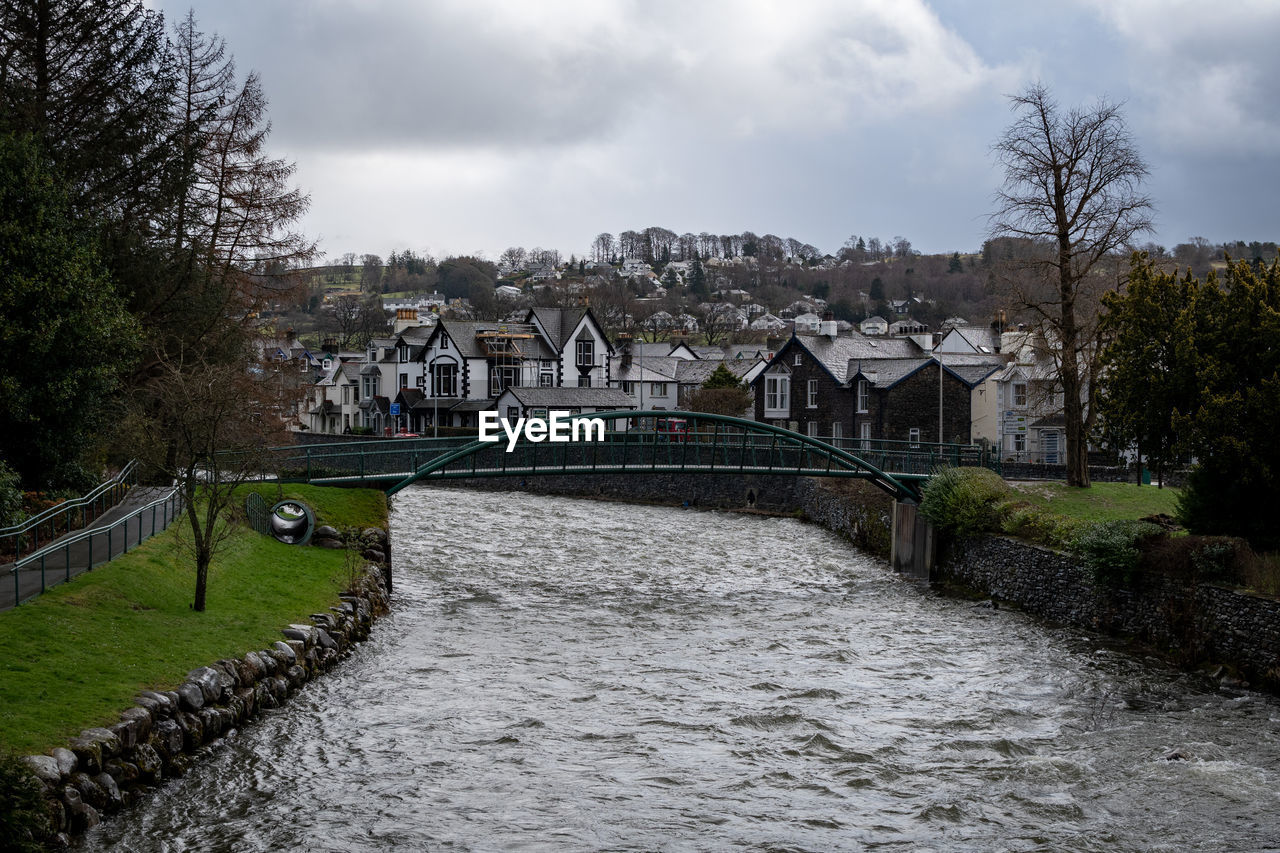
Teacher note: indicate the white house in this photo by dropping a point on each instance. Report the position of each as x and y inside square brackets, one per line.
[876, 325]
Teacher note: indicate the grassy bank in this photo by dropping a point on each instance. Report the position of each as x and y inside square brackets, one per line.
[77, 655]
[1099, 502]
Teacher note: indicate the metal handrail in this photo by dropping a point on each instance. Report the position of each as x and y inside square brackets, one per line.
[116, 486]
[171, 505]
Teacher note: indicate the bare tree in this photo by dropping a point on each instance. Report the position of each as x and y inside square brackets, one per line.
[1072, 186]
[206, 426]
[514, 258]
[602, 248]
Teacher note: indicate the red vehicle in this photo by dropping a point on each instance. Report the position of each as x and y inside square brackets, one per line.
[675, 429]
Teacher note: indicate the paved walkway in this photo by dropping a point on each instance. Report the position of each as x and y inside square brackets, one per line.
[63, 564]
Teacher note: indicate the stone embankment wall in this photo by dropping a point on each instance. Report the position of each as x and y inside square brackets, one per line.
[108, 768]
[1192, 623]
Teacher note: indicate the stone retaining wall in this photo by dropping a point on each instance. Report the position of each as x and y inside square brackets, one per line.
[109, 768]
[1192, 623]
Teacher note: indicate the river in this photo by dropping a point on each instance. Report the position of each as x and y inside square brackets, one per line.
[560, 674]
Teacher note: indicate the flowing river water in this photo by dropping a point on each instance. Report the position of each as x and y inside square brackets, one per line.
[561, 674]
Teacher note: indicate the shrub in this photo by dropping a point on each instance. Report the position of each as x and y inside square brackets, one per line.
[964, 501]
[24, 817]
[10, 496]
[1231, 500]
[1111, 549]
[1036, 524]
[1261, 573]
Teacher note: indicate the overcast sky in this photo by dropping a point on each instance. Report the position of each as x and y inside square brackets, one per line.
[465, 126]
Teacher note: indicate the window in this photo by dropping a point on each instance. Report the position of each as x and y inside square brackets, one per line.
[864, 395]
[837, 430]
[913, 436]
[798, 360]
[586, 353]
[503, 377]
[546, 379]
[403, 353]
[444, 379]
[777, 393]
[811, 429]
[584, 381]
[657, 389]
[404, 380]
[346, 394]
[513, 414]
[444, 342]
[1019, 442]
[628, 387]
[812, 394]
[1019, 395]
[864, 433]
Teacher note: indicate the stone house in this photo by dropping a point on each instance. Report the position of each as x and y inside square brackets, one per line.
[805, 387]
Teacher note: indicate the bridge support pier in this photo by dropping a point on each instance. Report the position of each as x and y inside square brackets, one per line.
[914, 545]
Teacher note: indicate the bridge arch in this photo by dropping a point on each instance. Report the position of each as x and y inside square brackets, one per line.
[710, 443]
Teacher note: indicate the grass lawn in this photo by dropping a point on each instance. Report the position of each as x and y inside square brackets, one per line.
[77, 655]
[1099, 502]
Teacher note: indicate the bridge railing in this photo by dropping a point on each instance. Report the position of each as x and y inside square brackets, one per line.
[89, 548]
[44, 527]
[918, 457]
[364, 460]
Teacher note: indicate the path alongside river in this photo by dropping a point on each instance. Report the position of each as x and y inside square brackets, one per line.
[571, 675]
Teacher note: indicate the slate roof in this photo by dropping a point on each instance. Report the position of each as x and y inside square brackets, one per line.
[558, 323]
[442, 404]
[890, 371]
[598, 398]
[697, 372]
[409, 397]
[836, 353]
[463, 335]
[473, 406]
[886, 372]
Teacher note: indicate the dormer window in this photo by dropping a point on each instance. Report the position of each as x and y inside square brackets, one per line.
[403, 352]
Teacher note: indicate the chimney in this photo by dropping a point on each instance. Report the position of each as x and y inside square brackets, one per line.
[405, 318]
[828, 325]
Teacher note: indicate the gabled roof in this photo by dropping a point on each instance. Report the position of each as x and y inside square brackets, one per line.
[979, 339]
[887, 372]
[409, 397]
[465, 336]
[836, 353]
[556, 323]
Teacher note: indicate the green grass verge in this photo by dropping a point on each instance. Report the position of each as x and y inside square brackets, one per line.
[1099, 502]
[77, 655]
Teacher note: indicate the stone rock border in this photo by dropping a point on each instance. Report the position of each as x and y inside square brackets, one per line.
[109, 768]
